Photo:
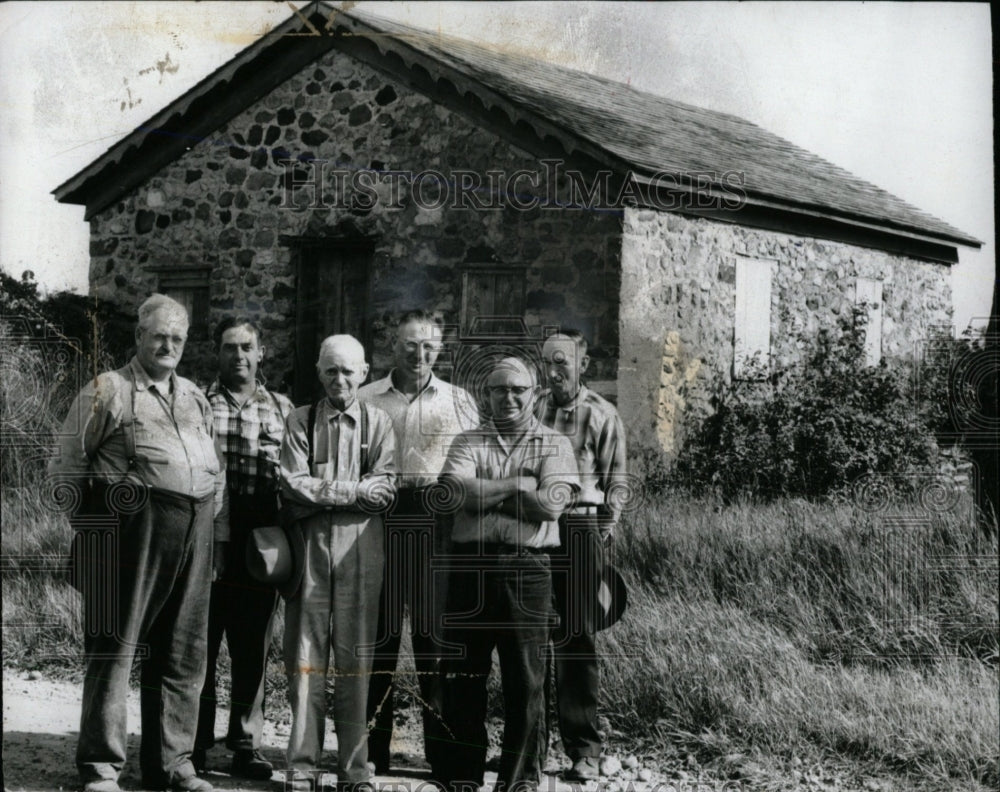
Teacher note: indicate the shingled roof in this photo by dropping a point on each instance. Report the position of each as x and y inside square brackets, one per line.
[612, 123]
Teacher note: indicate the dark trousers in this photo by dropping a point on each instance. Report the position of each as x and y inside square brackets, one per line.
[501, 601]
[409, 581]
[577, 567]
[146, 591]
[243, 609]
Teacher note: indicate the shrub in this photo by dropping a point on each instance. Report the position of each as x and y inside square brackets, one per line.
[811, 430]
[50, 346]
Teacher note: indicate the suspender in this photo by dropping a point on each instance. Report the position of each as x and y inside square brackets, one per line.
[128, 424]
[311, 429]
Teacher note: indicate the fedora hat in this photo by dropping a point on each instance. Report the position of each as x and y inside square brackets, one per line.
[274, 555]
[612, 597]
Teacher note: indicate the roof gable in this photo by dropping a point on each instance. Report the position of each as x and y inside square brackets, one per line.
[607, 122]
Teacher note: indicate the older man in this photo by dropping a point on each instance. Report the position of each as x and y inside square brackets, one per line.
[250, 422]
[141, 441]
[427, 414]
[511, 479]
[337, 471]
[598, 439]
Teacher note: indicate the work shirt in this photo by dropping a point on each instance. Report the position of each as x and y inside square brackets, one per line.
[424, 427]
[333, 480]
[175, 446]
[484, 454]
[596, 433]
[250, 436]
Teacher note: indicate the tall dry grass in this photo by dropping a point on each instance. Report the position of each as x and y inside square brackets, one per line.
[807, 629]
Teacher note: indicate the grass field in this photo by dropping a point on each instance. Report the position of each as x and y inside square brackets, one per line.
[792, 632]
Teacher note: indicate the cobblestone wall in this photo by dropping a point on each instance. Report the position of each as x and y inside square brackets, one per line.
[663, 292]
[678, 305]
[223, 205]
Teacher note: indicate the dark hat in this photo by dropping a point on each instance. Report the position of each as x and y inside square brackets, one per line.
[275, 555]
[612, 598]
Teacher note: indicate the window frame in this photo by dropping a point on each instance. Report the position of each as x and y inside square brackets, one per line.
[196, 280]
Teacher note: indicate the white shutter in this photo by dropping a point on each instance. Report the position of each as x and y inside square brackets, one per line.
[869, 292]
[753, 317]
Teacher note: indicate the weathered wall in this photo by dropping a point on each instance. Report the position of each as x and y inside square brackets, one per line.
[678, 298]
[220, 204]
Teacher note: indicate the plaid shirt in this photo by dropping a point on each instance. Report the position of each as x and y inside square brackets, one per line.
[250, 436]
[598, 439]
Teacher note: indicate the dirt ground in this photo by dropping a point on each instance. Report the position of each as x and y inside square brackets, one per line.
[41, 720]
[41, 724]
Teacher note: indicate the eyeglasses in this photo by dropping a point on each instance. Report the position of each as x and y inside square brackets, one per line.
[503, 390]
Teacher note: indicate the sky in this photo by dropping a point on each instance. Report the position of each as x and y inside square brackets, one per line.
[900, 94]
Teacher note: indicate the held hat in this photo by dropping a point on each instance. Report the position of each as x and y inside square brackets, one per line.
[612, 598]
[274, 555]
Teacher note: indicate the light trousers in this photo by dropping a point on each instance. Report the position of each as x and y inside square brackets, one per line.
[335, 609]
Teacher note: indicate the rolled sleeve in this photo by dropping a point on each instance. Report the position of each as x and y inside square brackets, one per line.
[461, 460]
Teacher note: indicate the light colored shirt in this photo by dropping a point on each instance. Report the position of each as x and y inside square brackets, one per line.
[484, 454]
[250, 436]
[336, 471]
[596, 433]
[424, 427]
[175, 446]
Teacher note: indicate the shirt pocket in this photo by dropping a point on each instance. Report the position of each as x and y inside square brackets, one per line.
[209, 455]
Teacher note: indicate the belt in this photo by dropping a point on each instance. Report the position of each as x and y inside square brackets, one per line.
[497, 548]
[591, 510]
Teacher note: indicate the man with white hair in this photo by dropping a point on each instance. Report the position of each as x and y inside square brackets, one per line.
[336, 470]
[140, 444]
[511, 479]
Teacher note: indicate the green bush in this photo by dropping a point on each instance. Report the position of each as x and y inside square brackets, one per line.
[811, 430]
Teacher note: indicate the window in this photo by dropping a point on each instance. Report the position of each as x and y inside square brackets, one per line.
[869, 292]
[190, 287]
[332, 296]
[492, 300]
[752, 340]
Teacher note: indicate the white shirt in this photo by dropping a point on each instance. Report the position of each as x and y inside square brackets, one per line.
[424, 427]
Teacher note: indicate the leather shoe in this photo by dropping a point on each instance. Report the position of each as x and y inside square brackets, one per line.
[189, 783]
[249, 763]
[300, 782]
[102, 785]
[587, 768]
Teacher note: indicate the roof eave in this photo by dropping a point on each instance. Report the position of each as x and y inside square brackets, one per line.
[764, 212]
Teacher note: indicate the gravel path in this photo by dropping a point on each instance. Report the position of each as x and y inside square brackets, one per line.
[41, 723]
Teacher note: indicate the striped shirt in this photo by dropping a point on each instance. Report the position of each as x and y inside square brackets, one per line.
[250, 435]
[484, 454]
[596, 433]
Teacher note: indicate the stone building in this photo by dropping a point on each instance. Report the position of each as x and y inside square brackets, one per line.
[343, 169]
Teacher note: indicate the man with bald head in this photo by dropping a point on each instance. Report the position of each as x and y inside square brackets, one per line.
[511, 479]
[337, 471]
